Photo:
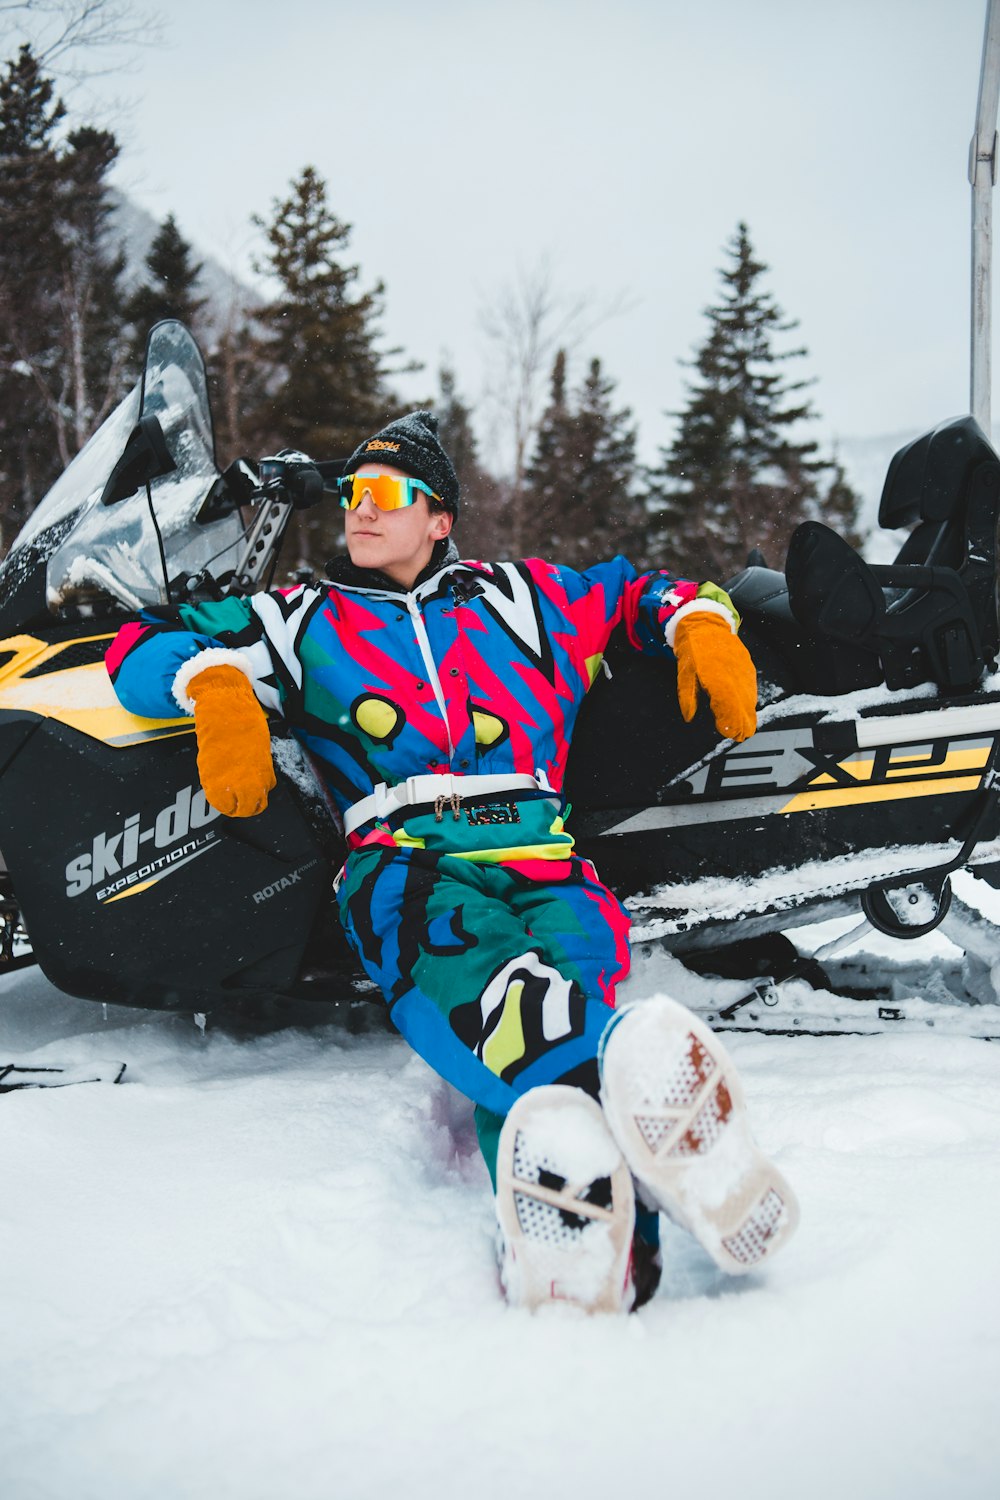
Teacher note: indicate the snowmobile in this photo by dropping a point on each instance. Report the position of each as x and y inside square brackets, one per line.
[872, 778]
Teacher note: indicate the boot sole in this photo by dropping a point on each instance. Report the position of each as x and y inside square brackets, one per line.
[557, 1246]
[675, 1105]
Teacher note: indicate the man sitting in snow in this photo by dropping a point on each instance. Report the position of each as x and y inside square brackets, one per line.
[438, 699]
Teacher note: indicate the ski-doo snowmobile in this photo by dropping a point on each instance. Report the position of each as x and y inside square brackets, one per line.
[871, 780]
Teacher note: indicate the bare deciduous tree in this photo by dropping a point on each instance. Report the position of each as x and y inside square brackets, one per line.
[67, 35]
[525, 324]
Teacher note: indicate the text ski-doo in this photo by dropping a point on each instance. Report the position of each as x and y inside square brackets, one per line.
[870, 783]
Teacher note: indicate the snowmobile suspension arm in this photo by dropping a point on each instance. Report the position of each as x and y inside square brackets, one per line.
[262, 544]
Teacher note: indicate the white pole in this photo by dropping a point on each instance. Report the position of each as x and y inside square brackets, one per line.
[982, 175]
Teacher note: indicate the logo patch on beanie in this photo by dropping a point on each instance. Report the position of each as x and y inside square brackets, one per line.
[377, 445]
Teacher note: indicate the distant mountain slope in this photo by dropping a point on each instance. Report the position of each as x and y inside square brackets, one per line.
[136, 229]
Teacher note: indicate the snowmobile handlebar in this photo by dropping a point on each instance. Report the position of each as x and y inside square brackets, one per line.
[297, 479]
[291, 477]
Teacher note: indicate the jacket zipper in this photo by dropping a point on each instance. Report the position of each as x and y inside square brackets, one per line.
[430, 667]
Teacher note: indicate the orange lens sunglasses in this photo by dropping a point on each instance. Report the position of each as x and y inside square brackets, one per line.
[388, 491]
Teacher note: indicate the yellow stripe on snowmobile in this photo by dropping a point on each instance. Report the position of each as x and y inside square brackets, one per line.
[922, 778]
[134, 890]
[891, 791]
[82, 698]
[28, 650]
[144, 885]
[974, 757]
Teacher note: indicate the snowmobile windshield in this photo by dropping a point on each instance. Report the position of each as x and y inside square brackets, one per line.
[89, 549]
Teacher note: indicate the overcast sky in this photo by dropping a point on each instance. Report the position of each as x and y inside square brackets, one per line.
[622, 140]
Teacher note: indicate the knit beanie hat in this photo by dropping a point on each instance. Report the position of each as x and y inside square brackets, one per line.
[411, 444]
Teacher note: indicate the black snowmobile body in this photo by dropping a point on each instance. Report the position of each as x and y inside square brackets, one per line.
[872, 776]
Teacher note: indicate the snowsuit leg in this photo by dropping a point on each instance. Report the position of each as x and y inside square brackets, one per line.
[499, 976]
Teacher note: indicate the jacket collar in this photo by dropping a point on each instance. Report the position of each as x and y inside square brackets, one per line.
[342, 573]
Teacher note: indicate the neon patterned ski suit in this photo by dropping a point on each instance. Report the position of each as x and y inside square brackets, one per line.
[495, 947]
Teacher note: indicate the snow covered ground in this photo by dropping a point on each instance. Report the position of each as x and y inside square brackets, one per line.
[262, 1267]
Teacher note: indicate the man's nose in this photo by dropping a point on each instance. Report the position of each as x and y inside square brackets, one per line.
[367, 508]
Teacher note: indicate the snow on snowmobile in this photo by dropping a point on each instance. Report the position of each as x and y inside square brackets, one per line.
[872, 778]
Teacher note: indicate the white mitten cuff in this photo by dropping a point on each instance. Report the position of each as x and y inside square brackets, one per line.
[213, 656]
[706, 606]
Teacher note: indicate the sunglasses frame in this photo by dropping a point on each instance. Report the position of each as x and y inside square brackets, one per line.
[404, 482]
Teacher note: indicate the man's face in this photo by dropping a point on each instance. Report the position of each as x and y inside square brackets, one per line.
[398, 543]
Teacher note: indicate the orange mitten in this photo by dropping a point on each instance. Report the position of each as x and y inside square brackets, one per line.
[711, 657]
[234, 746]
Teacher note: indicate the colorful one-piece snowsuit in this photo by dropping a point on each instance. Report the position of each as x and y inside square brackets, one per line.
[495, 947]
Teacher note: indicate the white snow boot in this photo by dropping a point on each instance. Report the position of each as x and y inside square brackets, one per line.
[674, 1103]
[565, 1204]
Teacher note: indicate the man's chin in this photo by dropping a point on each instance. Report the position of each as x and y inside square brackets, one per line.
[364, 553]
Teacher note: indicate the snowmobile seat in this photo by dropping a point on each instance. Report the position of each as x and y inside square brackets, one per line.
[917, 619]
[931, 481]
[761, 590]
[932, 614]
[929, 616]
[804, 657]
[948, 483]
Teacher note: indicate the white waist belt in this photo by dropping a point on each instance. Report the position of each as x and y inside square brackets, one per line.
[432, 789]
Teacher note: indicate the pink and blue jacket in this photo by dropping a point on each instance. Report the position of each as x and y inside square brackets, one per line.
[479, 669]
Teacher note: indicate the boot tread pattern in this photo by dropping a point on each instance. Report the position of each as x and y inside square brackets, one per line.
[554, 1209]
[750, 1242]
[674, 1103]
[669, 1128]
[565, 1206]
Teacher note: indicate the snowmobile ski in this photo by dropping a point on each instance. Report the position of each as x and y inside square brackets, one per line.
[14, 1077]
[765, 984]
[794, 1008]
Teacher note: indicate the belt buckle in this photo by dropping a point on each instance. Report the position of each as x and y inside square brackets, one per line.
[411, 795]
[381, 794]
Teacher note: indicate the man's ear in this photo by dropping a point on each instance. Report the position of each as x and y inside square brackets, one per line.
[443, 522]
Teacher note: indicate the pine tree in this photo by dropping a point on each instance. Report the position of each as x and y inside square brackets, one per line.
[455, 428]
[839, 505]
[737, 475]
[29, 177]
[169, 290]
[237, 387]
[90, 298]
[326, 383]
[603, 511]
[480, 530]
[581, 479]
[549, 475]
[61, 354]
[319, 336]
